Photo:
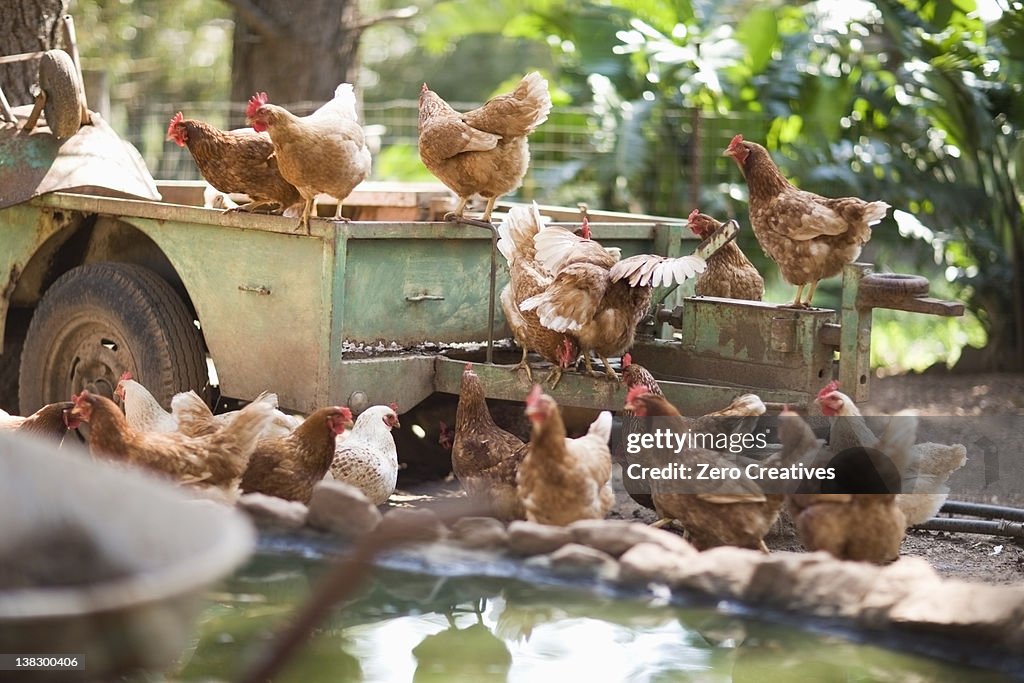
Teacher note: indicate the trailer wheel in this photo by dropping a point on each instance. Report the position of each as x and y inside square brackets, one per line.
[100, 320]
[58, 79]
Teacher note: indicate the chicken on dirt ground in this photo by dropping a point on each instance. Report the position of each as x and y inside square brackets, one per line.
[594, 296]
[729, 274]
[484, 151]
[925, 468]
[367, 458]
[323, 152]
[485, 457]
[218, 460]
[809, 236]
[732, 512]
[563, 480]
[289, 466]
[239, 160]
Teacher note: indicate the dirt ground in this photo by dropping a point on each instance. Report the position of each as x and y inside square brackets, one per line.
[970, 557]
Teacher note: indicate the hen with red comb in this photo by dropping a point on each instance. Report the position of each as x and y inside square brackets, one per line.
[324, 152]
[809, 236]
[730, 274]
[368, 459]
[239, 161]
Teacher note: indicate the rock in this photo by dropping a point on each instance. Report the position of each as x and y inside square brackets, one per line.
[530, 538]
[893, 583]
[574, 558]
[271, 511]
[972, 610]
[725, 571]
[815, 583]
[650, 562]
[480, 533]
[342, 509]
[425, 526]
[616, 536]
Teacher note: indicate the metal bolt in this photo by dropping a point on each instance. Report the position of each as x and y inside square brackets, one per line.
[358, 401]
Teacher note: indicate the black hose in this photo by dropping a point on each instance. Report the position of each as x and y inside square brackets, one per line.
[957, 507]
[974, 526]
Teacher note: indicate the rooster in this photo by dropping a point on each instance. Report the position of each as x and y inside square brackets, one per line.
[483, 151]
[367, 459]
[596, 297]
[741, 514]
[562, 480]
[529, 278]
[235, 161]
[485, 458]
[323, 152]
[288, 466]
[811, 237]
[925, 468]
[218, 460]
[729, 274]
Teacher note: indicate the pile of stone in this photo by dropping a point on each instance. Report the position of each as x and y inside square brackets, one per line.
[906, 595]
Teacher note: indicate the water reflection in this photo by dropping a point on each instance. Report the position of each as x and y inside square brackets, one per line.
[419, 628]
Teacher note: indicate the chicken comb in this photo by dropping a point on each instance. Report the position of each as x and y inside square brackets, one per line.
[585, 228]
[175, 120]
[534, 395]
[627, 360]
[468, 368]
[255, 102]
[424, 88]
[346, 412]
[829, 388]
[126, 375]
[393, 406]
[636, 392]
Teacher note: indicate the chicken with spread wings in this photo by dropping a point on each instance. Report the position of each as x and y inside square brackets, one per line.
[809, 236]
[594, 296]
[563, 480]
[527, 278]
[483, 151]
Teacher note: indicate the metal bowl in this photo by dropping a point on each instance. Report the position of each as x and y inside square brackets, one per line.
[104, 562]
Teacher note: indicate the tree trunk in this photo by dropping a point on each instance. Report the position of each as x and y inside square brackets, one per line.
[294, 51]
[27, 26]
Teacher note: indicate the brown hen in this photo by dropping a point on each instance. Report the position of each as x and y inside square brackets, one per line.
[235, 161]
[562, 480]
[323, 152]
[483, 151]
[485, 458]
[52, 421]
[729, 274]
[811, 237]
[289, 466]
[218, 460]
[527, 278]
[733, 512]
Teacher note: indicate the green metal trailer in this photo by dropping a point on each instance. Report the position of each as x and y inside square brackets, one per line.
[366, 311]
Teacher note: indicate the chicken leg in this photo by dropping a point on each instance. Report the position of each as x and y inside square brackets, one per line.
[523, 365]
[307, 209]
[487, 210]
[810, 295]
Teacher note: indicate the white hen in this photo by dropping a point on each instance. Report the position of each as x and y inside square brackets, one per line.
[368, 459]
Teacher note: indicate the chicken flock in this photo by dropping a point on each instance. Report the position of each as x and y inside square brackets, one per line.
[568, 299]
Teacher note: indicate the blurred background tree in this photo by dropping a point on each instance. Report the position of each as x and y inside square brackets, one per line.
[917, 102]
[27, 26]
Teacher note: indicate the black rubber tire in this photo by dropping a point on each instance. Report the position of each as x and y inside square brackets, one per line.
[10, 360]
[100, 320]
[894, 283]
[58, 78]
